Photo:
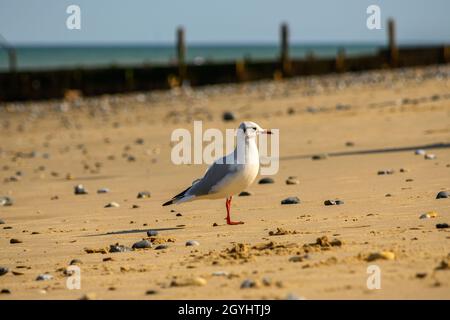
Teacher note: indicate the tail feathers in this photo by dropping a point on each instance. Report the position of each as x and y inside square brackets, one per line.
[178, 198]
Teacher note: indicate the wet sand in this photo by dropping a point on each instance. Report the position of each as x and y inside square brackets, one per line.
[365, 123]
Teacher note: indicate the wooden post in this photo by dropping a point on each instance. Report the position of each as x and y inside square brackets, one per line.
[241, 73]
[446, 54]
[284, 56]
[181, 55]
[393, 50]
[340, 60]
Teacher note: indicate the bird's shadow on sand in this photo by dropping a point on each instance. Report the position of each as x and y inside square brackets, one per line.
[133, 231]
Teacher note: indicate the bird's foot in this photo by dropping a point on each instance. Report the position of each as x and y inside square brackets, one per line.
[233, 223]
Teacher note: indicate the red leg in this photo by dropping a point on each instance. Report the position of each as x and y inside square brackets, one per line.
[228, 205]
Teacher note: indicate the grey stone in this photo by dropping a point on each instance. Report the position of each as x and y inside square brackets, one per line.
[290, 200]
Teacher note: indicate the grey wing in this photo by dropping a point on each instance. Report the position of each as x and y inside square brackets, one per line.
[215, 174]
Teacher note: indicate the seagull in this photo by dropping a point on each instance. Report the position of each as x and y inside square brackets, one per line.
[230, 174]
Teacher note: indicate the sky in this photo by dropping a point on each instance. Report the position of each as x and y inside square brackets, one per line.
[225, 21]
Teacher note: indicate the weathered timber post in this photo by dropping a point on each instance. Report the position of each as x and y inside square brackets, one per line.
[241, 73]
[393, 50]
[181, 55]
[284, 56]
[340, 60]
[446, 54]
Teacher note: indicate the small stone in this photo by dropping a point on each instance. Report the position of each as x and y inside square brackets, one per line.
[248, 283]
[336, 202]
[442, 195]
[79, 189]
[2, 221]
[143, 195]
[419, 152]
[89, 296]
[292, 180]
[151, 292]
[14, 241]
[228, 116]
[118, 248]
[139, 141]
[290, 200]
[134, 206]
[5, 291]
[179, 214]
[192, 243]
[384, 255]
[319, 156]
[220, 273]
[266, 181]
[3, 271]
[428, 215]
[44, 277]
[161, 247]
[112, 205]
[143, 244]
[6, 201]
[152, 233]
[215, 224]
[103, 190]
[75, 262]
[385, 172]
[245, 194]
[429, 156]
[296, 259]
[349, 144]
[421, 275]
[442, 226]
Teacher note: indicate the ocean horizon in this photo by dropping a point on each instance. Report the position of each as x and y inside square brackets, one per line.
[49, 56]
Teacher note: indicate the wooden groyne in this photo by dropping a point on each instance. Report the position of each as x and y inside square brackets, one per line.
[37, 85]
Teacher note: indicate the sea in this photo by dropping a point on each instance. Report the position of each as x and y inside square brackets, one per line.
[93, 56]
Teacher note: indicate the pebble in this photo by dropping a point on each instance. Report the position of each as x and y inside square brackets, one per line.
[192, 243]
[220, 273]
[248, 283]
[44, 277]
[6, 201]
[13, 241]
[112, 205]
[420, 152]
[161, 247]
[442, 195]
[134, 206]
[2, 221]
[383, 172]
[428, 215]
[319, 157]
[179, 214]
[3, 271]
[429, 156]
[266, 181]
[5, 291]
[143, 195]
[292, 180]
[79, 189]
[442, 226]
[296, 259]
[290, 200]
[89, 296]
[245, 194]
[336, 202]
[228, 116]
[384, 255]
[150, 292]
[118, 248]
[152, 233]
[103, 190]
[143, 244]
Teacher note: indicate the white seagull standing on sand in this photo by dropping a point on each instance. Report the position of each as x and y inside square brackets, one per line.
[228, 175]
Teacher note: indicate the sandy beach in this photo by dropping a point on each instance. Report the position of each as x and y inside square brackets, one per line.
[361, 124]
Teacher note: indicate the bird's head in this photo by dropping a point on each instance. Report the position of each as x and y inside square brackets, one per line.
[251, 129]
